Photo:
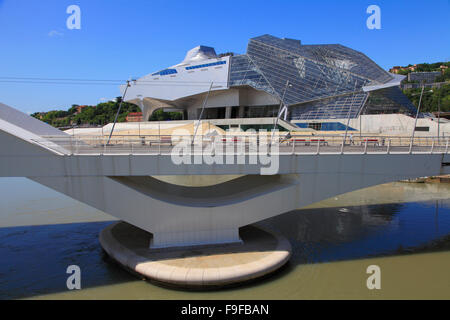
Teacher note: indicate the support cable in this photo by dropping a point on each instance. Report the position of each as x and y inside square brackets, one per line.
[201, 112]
[118, 111]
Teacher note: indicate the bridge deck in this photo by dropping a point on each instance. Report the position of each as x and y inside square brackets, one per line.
[240, 144]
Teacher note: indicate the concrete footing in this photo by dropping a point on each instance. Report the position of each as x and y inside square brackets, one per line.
[260, 253]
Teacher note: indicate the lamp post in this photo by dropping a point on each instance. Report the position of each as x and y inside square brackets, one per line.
[439, 114]
[348, 116]
[139, 96]
[417, 114]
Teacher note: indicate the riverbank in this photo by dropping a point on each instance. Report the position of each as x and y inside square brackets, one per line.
[433, 179]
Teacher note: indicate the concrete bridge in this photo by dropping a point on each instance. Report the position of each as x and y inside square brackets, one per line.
[205, 200]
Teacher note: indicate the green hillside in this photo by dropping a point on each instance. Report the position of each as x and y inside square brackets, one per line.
[101, 114]
[431, 97]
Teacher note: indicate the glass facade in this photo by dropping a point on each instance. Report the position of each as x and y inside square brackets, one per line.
[244, 72]
[341, 107]
[389, 100]
[314, 81]
[261, 111]
[325, 126]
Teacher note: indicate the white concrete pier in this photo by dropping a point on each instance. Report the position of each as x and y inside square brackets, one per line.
[260, 253]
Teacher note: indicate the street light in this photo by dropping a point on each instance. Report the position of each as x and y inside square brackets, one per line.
[439, 113]
[417, 115]
[439, 110]
[416, 94]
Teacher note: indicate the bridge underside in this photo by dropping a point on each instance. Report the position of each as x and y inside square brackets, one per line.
[198, 210]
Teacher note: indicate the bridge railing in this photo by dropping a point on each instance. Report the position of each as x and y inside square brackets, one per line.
[244, 143]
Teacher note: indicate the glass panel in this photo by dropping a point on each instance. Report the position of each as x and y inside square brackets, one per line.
[325, 81]
[389, 100]
[334, 108]
[244, 72]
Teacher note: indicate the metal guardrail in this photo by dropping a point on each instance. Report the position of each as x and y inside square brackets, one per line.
[235, 143]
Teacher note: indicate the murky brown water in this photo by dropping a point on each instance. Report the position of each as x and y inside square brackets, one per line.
[334, 241]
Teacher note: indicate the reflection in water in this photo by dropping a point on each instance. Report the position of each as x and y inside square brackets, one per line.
[330, 234]
[34, 257]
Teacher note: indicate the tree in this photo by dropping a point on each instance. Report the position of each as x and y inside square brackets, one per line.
[444, 77]
[430, 100]
[160, 115]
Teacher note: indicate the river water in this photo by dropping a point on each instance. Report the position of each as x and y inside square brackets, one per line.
[404, 228]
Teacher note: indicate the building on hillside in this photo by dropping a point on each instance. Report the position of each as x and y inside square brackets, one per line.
[423, 77]
[431, 85]
[80, 108]
[397, 69]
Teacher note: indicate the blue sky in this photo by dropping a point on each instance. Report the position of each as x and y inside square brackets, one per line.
[120, 39]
